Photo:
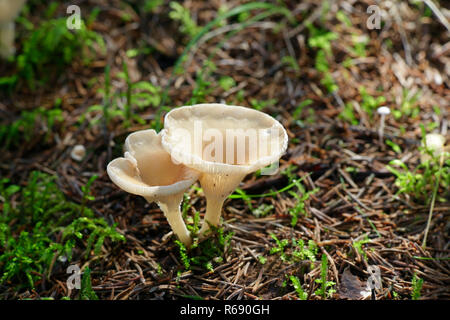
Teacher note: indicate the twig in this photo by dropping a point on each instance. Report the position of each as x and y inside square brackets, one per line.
[406, 46]
[438, 14]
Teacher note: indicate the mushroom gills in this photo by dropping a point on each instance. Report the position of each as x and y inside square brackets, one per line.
[147, 170]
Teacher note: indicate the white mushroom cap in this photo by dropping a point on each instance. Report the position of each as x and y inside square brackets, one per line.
[383, 110]
[178, 138]
[224, 143]
[147, 170]
[435, 142]
[78, 152]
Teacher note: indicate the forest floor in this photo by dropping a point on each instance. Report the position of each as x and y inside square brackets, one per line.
[317, 68]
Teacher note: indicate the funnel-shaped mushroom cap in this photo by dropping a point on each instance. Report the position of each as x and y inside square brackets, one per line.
[218, 138]
[147, 169]
[224, 143]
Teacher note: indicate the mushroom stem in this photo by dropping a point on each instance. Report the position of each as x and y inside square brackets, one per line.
[382, 111]
[171, 208]
[216, 188]
[381, 129]
[7, 39]
[8, 12]
[213, 210]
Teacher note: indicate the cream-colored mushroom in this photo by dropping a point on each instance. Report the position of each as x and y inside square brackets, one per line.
[224, 143]
[434, 142]
[9, 10]
[383, 112]
[147, 170]
[78, 152]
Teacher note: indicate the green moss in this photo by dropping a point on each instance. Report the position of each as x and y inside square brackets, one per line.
[40, 225]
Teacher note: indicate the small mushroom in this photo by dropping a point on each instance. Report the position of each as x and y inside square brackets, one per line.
[147, 170]
[9, 9]
[434, 142]
[224, 143]
[383, 112]
[78, 152]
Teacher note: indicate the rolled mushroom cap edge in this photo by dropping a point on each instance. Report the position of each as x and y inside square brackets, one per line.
[125, 175]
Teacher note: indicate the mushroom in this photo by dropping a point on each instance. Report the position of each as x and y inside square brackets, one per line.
[435, 143]
[147, 170]
[9, 9]
[224, 143]
[78, 152]
[383, 112]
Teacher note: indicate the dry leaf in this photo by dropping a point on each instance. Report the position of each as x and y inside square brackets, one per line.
[352, 288]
